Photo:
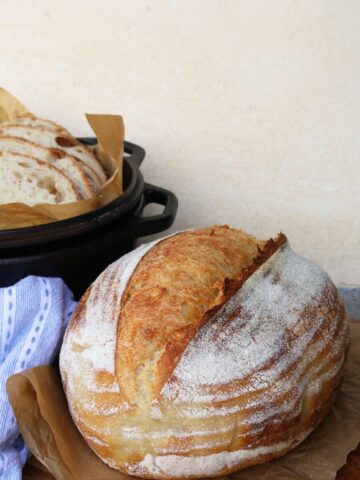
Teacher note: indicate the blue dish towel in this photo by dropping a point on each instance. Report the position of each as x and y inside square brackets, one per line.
[33, 315]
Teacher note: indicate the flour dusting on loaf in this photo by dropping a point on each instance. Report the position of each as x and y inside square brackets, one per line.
[265, 316]
[201, 465]
[98, 353]
[203, 353]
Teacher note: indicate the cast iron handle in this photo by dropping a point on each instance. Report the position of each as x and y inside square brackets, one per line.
[135, 152]
[142, 226]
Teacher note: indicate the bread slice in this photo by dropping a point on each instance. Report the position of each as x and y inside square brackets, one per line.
[65, 163]
[28, 180]
[92, 176]
[48, 138]
[30, 120]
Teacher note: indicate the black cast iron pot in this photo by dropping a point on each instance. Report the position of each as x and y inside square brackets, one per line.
[80, 248]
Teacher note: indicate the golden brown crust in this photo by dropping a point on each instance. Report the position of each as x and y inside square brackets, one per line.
[163, 287]
[248, 361]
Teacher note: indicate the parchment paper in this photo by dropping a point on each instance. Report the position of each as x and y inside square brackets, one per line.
[40, 407]
[109, 130]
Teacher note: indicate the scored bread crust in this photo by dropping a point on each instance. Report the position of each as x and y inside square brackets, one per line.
[52, 186]
[59, 139]
[198, 356]
[174, 292]
[69, 165]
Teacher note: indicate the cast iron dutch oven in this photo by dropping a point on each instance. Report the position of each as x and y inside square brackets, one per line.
[80, 248]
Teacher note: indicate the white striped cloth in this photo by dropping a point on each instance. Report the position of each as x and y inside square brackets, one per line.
[33, 316]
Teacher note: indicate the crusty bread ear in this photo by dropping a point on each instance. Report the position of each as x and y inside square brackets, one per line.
[65, 163]
[59, 139]
[27, 180]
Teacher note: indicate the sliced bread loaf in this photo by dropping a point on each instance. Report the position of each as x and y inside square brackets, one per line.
[69, 165]
[48, 138]
[89, 171]
[28, 180]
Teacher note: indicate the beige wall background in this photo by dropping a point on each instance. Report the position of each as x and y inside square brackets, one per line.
[249, 109]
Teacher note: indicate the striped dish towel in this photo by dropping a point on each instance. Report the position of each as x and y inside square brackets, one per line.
[33, 317]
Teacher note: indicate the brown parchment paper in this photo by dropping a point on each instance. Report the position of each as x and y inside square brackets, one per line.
[109, 130]
[60, 452]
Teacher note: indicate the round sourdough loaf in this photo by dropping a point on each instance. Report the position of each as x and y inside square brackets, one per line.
[202, 354]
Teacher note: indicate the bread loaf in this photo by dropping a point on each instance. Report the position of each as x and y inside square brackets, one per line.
[49, 143]
[202, 354]
[38, 122]
[28, 180]
[50, 138]
[67, 164]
